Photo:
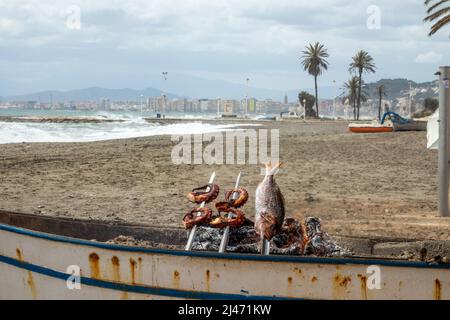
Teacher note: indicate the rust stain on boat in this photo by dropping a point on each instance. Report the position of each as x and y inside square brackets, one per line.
[31, 284]
[340, 284]
[208, 279]
[30, 280]
[176, 279]
[363, 281]
[124, 296]
[116, 268]
[19, 254]
[133, 270]
[289, 280]
[437, 289]
[314, 279]
[342, 281]
[94, 265]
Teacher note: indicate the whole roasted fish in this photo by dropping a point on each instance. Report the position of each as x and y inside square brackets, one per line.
[269, 205]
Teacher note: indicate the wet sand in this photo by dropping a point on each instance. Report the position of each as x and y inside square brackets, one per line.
[359, 185]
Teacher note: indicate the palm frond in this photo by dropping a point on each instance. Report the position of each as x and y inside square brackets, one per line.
[362, 62]
[438, 25]
[436, 11]
[313, 59]
[436, 5]
[437, 14]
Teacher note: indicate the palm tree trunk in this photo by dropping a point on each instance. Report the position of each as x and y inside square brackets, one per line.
[379, 107]
[354, 109]
[317, 97]
[359, 94]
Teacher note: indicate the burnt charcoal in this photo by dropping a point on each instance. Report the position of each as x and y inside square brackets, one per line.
[294, 238]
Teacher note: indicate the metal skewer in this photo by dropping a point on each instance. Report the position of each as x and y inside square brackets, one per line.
[265, 246]
[226, 231]
[190, 241]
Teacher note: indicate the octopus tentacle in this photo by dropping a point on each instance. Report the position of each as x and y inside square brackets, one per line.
[240, 201]
[206, 193]
[191, 218]
[235, 220]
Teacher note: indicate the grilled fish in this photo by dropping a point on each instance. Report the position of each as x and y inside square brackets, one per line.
[269, 205]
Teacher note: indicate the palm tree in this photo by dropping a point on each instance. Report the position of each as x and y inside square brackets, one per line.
[307, 101]
[351, 92]
[436, 11]
[381, 91]
[314, 61]
[361, 62]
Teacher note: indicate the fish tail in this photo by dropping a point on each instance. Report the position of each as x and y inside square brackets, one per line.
[272, 169]
[266, 226]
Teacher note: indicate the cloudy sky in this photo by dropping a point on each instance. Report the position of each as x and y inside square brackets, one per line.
[115, 44]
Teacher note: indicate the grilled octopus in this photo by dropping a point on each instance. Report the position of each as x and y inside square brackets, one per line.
[191, 218]
[235, 219]
[206, 193]
[240, 200]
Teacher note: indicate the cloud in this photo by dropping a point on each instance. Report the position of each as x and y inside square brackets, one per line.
[224, 38]
[429, 57]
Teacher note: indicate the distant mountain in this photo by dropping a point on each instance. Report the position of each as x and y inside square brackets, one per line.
[88, 94]
[211, 89]
[395, 89]
[400, 88]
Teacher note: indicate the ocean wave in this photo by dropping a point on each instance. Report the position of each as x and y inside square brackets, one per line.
[19, 132]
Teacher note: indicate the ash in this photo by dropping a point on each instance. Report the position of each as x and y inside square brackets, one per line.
[295, 238]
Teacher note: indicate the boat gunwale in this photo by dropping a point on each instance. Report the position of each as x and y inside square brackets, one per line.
[223, 256]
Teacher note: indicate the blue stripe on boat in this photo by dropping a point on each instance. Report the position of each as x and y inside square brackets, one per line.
[227, 256]
[165, 292]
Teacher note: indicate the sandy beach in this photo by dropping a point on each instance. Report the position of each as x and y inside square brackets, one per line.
[359, 185]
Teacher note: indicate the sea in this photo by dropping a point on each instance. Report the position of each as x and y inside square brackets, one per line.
[133, 125]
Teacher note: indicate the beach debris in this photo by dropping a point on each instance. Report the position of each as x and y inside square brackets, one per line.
[269, 205]
[310, 198]
[206, 193]
[294, 238]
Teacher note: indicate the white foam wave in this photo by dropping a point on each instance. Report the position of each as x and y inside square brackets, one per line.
[16, 132]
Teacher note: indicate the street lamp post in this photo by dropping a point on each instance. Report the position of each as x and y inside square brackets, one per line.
[410, 99]
[246, 95]
[443, 175]
[334, 99]
[165, 74]
[304, 109]
[218, 107]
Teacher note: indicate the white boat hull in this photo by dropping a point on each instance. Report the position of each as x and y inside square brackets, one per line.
[34, 265]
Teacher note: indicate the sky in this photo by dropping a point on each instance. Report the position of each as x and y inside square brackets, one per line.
[66, 45]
